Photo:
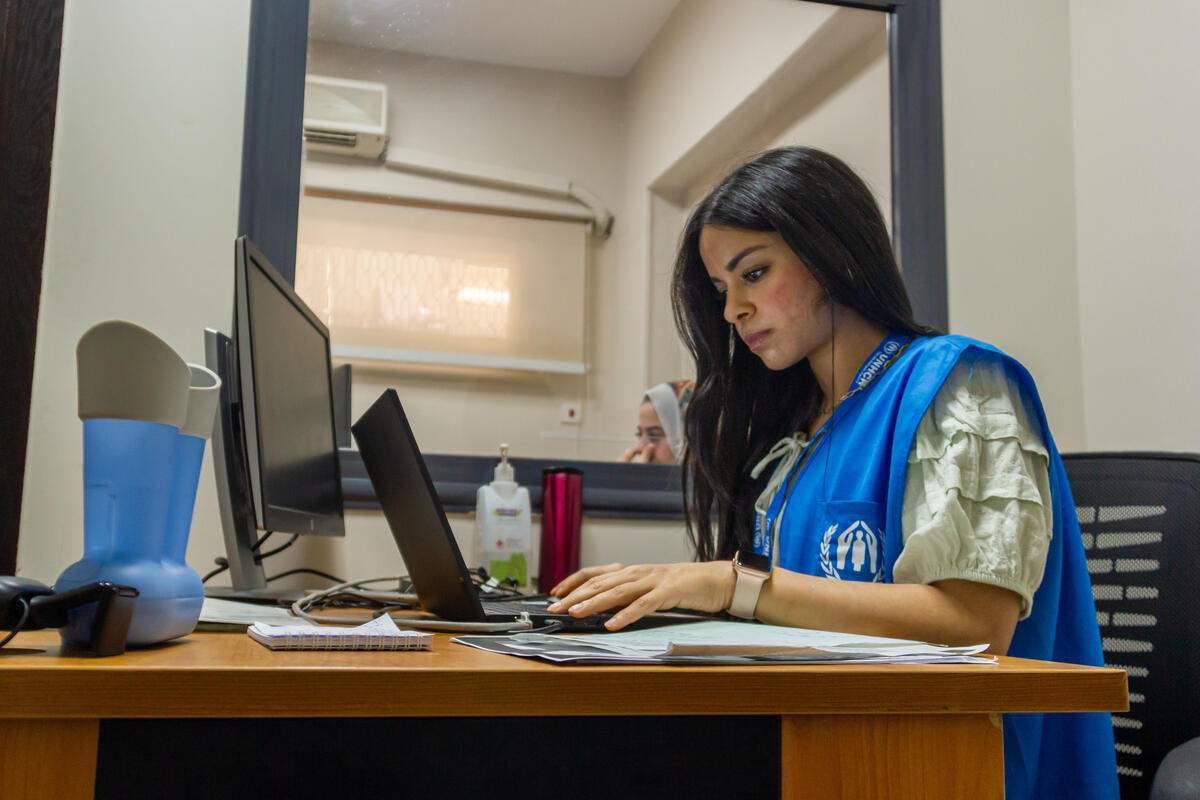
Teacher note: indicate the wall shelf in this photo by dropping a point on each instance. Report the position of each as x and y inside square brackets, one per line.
[457, 359]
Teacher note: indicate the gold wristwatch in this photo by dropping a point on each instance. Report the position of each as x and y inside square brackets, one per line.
[753, 570]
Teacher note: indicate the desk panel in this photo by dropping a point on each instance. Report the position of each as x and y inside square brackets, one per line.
[877, 712]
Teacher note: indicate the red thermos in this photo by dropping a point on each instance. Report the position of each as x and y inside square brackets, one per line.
[562, 515]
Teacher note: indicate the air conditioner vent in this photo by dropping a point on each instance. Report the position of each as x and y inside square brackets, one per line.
[342, 143]
[344, 117]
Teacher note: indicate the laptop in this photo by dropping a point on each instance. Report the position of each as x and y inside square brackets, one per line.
[418, 523]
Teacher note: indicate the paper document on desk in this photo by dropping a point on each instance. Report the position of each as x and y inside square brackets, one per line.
[232, 615]
[728, 643]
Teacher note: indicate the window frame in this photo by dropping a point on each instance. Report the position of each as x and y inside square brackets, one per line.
[271, 191]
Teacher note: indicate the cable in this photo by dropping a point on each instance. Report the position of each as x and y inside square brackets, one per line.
[20, 623]
[254, 547]
[222, 565]
[299, 608]
[260, 557]
[551, 626]
[306, 571]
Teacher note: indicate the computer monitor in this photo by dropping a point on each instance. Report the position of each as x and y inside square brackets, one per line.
[274, 442]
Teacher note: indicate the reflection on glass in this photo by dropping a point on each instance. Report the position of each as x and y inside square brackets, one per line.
[491, 122]
[397, 292]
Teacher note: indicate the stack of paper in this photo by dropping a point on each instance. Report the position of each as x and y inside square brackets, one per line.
[234, 615]
[378, 634]
[725, 643]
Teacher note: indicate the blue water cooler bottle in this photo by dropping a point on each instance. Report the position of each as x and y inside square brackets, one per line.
[203, 393]
[133, 400]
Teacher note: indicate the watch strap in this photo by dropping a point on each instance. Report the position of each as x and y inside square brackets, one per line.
[746, 591]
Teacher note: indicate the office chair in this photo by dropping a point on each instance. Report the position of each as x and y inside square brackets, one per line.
[1140, 518]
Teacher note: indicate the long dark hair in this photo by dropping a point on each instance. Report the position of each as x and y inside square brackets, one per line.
[739, 408]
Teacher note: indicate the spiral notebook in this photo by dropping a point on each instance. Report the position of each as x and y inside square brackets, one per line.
[380, 633]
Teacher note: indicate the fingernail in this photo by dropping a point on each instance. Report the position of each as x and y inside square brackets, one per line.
[553, 608]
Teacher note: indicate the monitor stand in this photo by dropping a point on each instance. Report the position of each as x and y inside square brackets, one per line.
[266, 596]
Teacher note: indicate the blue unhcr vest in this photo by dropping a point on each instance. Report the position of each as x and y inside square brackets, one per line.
[841, 519]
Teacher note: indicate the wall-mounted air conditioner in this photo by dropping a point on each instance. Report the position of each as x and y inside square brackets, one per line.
[345, 117]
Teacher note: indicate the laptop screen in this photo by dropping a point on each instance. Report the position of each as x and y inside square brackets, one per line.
[414, 513]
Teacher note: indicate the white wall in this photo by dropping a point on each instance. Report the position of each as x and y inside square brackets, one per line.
[1010, 193]
[1136, 102]
[143, 210]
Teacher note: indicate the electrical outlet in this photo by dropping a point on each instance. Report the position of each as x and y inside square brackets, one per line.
[571, 414]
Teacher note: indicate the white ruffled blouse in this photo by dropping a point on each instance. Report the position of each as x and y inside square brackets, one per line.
[977, 501]
[977, 496]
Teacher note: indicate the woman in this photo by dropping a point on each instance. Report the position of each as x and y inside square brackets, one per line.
[660, 424]
[831, 436]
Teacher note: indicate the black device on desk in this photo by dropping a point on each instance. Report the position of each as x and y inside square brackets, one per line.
[29, 605]
[274, 443]
[422, 532]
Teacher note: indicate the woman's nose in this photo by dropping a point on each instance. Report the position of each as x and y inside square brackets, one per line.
[735, 307]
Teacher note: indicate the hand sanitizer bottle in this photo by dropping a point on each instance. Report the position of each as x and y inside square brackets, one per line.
[502, 524]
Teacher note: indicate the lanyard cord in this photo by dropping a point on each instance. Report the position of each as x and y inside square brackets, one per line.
[793, 451]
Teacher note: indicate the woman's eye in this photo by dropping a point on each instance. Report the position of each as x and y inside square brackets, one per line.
[754, 275]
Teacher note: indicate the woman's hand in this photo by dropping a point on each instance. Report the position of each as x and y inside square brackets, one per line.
[644, 588]
[636, 455]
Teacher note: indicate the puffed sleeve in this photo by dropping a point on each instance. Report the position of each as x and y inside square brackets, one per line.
[977, 496]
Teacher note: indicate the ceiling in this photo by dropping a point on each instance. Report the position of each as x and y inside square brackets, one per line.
[589, 37]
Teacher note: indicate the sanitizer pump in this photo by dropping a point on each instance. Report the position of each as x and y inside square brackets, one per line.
[502, 524]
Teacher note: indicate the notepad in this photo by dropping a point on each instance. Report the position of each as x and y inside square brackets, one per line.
[380, 633]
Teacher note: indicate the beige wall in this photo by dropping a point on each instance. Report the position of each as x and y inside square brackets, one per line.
[1010, 193]
[143, 211]
[1071, 171]
[1136, 106]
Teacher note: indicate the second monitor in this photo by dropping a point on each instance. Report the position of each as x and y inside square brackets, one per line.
[274, 446]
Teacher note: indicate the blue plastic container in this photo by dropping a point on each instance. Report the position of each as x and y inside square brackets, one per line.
[189, 591]
[128, 473]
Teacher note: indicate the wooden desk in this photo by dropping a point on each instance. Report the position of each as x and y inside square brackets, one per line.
[914, 727]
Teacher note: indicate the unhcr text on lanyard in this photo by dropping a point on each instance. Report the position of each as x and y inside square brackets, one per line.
[792, 451]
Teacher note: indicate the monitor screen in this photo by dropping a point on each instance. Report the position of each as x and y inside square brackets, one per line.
[286, 402]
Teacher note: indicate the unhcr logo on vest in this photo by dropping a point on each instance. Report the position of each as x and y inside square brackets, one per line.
[852, 554]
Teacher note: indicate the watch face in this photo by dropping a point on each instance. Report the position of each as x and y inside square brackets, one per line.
[752, 560]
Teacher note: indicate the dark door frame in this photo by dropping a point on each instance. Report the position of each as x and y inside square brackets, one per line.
[30, 45]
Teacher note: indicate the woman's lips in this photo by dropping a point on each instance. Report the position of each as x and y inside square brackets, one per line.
[755, 340]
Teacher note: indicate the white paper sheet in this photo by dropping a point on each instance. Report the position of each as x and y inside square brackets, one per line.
[717, 642]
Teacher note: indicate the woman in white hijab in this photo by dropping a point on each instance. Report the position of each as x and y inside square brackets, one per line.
[660, 424]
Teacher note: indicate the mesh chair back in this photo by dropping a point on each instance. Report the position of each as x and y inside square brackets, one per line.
[1140, 517]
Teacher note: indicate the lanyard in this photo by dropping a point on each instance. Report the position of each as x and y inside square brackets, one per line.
[793, 451]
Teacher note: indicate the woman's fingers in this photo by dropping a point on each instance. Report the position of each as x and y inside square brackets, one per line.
[575, 579]
[592, 586]
[641, 589]
[646, 604]
[606, 593]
